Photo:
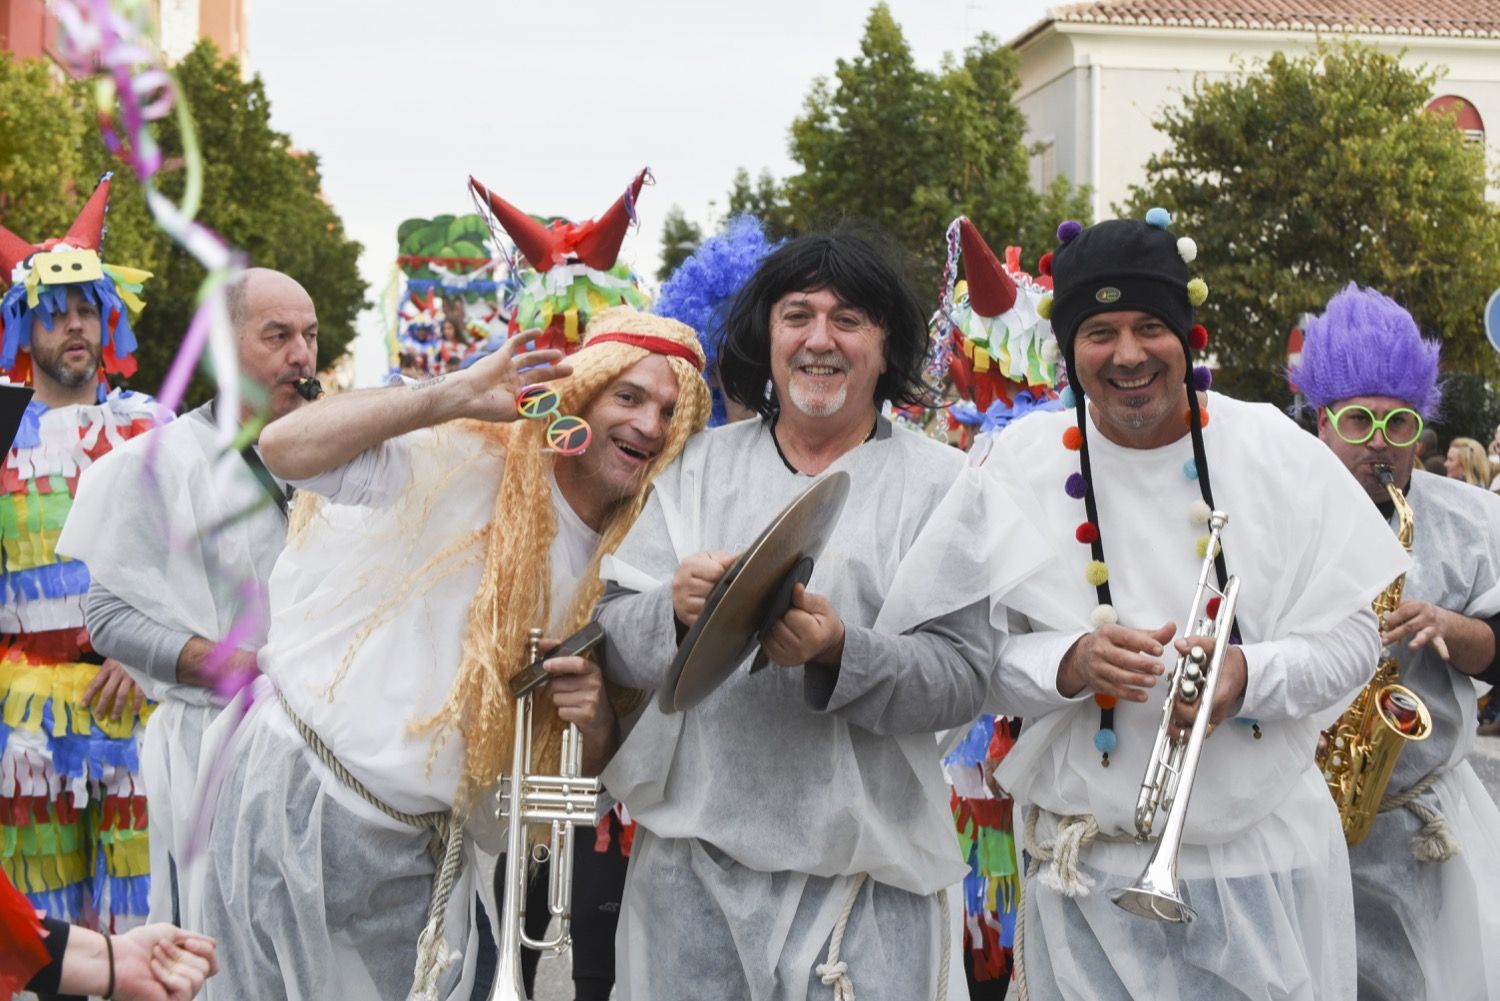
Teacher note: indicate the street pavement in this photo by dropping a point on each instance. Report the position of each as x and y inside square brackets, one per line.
[554, 984]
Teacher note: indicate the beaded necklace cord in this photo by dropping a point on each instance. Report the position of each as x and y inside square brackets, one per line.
[1079, 485]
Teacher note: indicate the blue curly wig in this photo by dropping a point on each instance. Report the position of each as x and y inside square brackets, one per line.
[701, 289]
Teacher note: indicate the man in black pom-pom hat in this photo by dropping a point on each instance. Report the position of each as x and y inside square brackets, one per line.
[1118, 494]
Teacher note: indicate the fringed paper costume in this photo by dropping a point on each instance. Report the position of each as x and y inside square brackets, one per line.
[72, 806]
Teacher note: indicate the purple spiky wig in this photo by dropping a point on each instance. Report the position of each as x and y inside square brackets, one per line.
[1366, 344]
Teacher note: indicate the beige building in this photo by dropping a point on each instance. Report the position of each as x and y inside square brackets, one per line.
[184, 22]
[1094, 76]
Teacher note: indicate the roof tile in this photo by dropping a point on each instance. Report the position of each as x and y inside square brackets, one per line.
[1460, 18]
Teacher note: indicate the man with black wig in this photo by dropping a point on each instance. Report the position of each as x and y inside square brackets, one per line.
[793, 837]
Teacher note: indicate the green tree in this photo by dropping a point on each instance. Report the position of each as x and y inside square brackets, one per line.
[907, 149]
[261, 194]
[679, 238]
[763, 199]
[42, 131]
[1300, 174]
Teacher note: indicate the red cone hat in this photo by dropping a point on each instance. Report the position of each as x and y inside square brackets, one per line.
[599, 245]
[88, 229]
[535, 241]
[13, 250]
[991, 290]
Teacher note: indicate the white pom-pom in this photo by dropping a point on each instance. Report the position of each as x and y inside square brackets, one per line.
[1103, 615]
[1188, 249]
[1199, 512]
[1051, 353]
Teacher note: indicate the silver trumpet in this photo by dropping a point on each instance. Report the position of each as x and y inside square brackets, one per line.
[1173, 765]
[563, 801]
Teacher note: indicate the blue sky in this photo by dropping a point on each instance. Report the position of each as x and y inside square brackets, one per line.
[402, 101]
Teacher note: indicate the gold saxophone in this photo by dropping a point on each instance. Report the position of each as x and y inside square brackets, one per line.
[1358, 753]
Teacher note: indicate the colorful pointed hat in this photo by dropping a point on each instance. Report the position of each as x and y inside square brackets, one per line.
[40, 275]
[595, 242]
[991, 291]
[534, 240]
[574, 267]
[988, 332]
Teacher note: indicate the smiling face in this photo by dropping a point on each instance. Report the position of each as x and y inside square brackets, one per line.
[630, 418]
[68, 354]
[1132, 368]
[826, 357]
[1361, 460]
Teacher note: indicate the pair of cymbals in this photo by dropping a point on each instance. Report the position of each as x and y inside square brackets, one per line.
[754, 594]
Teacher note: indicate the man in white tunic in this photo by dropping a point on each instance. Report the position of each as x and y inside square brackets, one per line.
[1427, 876]
[1119, 492]
[181, 540]
[792, 837]
[399, 611]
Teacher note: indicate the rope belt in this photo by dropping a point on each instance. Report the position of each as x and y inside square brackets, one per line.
[835, 972]
[1061, 853]
[446, 849]
[1434, 842]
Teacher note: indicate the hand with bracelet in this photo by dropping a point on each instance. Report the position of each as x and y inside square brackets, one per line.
[158, 962]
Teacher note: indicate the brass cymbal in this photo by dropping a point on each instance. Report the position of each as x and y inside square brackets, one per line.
[739, 604]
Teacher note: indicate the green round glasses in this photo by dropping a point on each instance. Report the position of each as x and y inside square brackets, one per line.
[1357, 424]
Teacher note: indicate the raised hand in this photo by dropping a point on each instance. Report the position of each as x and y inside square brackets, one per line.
[496, 380]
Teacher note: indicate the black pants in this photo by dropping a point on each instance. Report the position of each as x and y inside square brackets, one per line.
[598, 882]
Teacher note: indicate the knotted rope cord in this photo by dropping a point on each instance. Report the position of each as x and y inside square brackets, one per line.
[835, 972]
[1063, 851]
[446, 849]
[1434, 842]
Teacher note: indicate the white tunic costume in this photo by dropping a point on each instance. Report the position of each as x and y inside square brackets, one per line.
[1431, 929]
[760, 807]
[1263, 860]
[312, 892]
[187, 538]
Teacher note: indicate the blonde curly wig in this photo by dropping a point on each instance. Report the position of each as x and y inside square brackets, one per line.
[514, 592]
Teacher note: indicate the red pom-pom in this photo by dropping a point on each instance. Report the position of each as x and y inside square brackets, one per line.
[1044, 265]
[1104, 701]
[1073, 439]
[1198, 337]
[1212, 608]
[1087, 533]
[1187, 417]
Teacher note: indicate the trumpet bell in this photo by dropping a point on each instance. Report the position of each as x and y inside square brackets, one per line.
[1154, 902]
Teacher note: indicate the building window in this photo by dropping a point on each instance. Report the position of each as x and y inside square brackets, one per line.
[1468, 120]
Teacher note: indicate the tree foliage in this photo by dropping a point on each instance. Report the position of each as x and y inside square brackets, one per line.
[259, 193]
[262, 195]
[679, 238]
[1300, 174]
[907, 149]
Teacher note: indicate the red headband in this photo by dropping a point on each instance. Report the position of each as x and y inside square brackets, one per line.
[656, 345]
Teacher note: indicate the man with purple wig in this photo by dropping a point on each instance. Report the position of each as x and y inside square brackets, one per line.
[1427, 876]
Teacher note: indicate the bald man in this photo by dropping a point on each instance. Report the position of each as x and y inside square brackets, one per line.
[180, 540]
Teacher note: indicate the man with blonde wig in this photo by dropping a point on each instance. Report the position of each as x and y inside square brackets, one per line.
[442, 531]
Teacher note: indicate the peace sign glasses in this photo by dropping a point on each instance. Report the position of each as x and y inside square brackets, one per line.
[566, 434]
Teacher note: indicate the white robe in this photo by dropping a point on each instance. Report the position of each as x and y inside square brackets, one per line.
[187, 536]
[760, 806]
[1432, 929]
[1263, 859]
[318, 894]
